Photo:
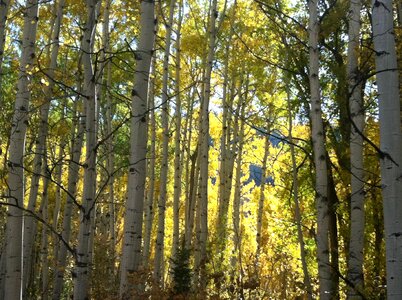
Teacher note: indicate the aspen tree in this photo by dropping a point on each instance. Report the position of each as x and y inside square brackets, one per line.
[261, 201]
[160, 237]
[237, 270]
[191, 199]
[204, 149]
[131, 250]
[192, 173]
[15, 181]
[355, 264]
[110, 143]
[30, 222]
[149, 203]
[177, 138]
[226, 165]
[317, 133]
[44, 245]
[298, 217]
[78, 131]
[81, 278]
[390, 141]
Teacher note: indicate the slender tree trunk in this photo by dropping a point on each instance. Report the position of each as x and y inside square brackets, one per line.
[73, 176]
[355, 263]
[160, 237]
[131, 251]
[58, 197]
[15, 181]
[110, 148]
[44, 249]
[298, 217]
[149, 205]
[204, 149]
[191, 173]
[177, 140]
[29, 221]
[390, 141]
[236, 215]
[226, 164]
[81, 279]
[261, 202]
[191, 199]
[324, 269]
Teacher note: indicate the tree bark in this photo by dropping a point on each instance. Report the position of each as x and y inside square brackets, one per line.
[30, 222]
[390, 141]
[324, 269]
[261, 201]
[15, 181]
[82, 270]
[131, 250]
[227, 161]
[160, 237]
[204, 149]
[298, 217]
[73, 177]
[149, 204]
[355, 263]
[177, 140]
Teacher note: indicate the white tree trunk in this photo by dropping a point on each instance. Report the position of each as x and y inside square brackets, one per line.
[177, 140]
[355, 263]
[30, 222]
[204, 149]
[227, 162]
[321, 184]
[81, 279]
[390, 141]
[14, 271]
[131, 250]
[160, 236]
[149, 203]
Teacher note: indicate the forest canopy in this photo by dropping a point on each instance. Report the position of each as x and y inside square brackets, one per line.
[200, 149]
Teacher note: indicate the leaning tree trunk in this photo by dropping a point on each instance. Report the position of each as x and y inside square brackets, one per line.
[82, 270]
[317, 132]
[355, 263]
[131, 250]
[160, 236]
[390, 141]
[15, 181]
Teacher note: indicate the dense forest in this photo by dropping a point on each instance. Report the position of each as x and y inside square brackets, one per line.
[200, 149]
